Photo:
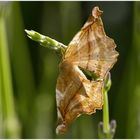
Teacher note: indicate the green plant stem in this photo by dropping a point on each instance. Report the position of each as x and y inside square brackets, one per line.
[106, 127]
[10, 122]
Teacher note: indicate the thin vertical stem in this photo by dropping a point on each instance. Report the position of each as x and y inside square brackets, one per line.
[106, 128]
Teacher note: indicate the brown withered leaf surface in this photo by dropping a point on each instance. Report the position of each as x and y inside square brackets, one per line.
[91, 50]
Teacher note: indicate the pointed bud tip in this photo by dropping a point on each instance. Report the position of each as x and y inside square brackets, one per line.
[27, 31]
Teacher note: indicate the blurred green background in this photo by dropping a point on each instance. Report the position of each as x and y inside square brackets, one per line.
[28, 72]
